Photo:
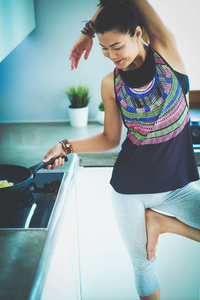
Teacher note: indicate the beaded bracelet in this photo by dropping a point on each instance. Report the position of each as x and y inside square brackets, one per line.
[67, 146]
[89, 29]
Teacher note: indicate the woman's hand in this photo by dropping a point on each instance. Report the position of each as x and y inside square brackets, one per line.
[57, 150]
[84, 43]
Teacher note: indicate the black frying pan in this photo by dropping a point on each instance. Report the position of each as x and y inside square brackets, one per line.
[20, 176]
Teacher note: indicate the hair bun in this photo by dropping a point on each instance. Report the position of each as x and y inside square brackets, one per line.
[109, 3]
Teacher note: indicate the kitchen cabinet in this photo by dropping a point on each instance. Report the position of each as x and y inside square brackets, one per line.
[17, 20]
[63, 281]
[106, 271]
[194, 98]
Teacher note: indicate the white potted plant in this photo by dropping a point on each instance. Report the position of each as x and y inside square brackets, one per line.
[78, 109]
[101, 113]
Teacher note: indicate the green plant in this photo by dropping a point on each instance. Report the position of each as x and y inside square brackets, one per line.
[101, 106]
[79, 97]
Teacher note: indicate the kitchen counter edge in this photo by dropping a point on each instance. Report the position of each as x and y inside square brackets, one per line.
[54, 228]
[108, 159]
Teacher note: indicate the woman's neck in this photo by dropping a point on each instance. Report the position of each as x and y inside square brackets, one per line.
[139, 60]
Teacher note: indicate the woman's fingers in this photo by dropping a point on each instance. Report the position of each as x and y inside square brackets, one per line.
[57, 163]
[75, 57]
[56, 151]
[74, 63]
[84, 43]
[86, 54]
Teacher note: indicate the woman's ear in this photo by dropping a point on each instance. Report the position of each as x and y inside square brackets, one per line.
[145, 36]
[138, 32]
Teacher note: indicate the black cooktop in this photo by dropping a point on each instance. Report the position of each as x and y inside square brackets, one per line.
[33, 207]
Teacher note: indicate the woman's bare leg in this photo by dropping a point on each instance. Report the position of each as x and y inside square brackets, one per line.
[157, 224]
[154, 296]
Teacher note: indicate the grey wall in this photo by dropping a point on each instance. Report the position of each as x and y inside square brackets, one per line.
[34, 76]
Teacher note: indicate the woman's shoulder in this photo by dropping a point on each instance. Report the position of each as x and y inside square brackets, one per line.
[108, 78]
[179, 71]
[108, 81]
[171, 54]
[107, 84]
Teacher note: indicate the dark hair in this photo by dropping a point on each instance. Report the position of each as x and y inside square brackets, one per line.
[117, 16]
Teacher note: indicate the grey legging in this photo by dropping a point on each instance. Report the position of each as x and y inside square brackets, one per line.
[183, 203]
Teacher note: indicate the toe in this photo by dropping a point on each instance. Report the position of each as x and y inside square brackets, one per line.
[150, 253]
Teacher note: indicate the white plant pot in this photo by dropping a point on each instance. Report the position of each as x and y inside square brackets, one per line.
[78, 116]
[100, 116]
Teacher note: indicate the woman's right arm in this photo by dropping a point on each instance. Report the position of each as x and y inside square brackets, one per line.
[157, 31]
[160, 37]
[107, 140]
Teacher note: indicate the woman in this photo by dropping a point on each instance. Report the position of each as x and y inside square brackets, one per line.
[156, 167]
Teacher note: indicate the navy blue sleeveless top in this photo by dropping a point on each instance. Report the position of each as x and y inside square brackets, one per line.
[157, 154]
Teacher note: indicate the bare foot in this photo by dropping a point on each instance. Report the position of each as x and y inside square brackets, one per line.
[154, 229]
[157, 223]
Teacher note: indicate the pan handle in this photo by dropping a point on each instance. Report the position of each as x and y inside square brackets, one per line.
[41, 165]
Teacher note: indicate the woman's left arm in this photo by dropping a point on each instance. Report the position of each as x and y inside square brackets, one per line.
[83, 43]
